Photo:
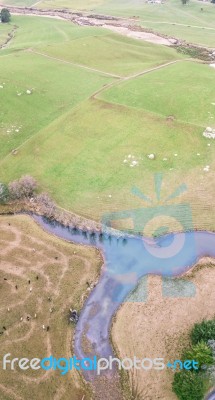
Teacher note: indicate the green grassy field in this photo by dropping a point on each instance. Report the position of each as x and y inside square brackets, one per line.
[4, 31]
[112, 53]
[150, 15]
[22, 3]
[93, 47]
[171, 11]
[160, 17]
[172, 97]
[84, 164]
[55, 87]
[38, 31]
[85, 136]
[204, 36]
[74, 144]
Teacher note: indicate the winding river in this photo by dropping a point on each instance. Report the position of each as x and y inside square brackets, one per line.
[127, 259]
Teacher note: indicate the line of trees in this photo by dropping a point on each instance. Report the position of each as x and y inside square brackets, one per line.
[25, 188]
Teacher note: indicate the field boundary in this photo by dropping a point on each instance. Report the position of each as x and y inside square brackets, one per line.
[74, 64]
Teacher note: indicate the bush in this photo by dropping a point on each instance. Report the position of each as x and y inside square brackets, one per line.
[22, 188]
[4, 193]
[47, 206]
[204, 331]
[5, 15]
[201, 353]
[188, 385]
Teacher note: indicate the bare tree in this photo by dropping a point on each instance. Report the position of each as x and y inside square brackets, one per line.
[46, 204]
[22, 188]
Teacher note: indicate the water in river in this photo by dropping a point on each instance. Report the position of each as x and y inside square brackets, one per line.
[127, 259]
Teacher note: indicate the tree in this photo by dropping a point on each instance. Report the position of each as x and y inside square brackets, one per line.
[203, 331]
[4, 193]
[5, 15]
[22, 188]
[47, 206]
[201, 353]
[188, 385]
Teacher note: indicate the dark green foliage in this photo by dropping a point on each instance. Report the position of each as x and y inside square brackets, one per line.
[194, 52]
[5, 15]
[201, 353]
[204, 331]
[4, 193]
[188, 385]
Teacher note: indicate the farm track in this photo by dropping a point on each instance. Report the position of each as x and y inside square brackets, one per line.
[97, 20]
[178, 24]
[10, 37]
[112, 84]
[110, 22]
[74, 64]
[147, 71]
[120, 79]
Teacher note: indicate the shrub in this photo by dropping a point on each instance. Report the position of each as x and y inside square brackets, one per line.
[4, 193]
[22, 188]
[201, 353]
[5, 15]
[203, 331]
[188, 385]
[47, 206]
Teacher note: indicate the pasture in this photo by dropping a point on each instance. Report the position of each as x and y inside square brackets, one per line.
[113, 53]
[55, 88]
[73, 132]
[83, 124]
[193, 22]
[84, 169]
[197, 34]
[4, 31]
[34, 32]
[184, 90]
[58, 273]
[172, 18]
[22, 3]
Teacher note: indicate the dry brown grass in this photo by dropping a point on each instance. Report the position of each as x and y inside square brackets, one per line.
[25, 253]
[160, 328]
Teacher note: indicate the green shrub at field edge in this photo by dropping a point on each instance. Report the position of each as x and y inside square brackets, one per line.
[201, 353]
[4, 193]
[5, 15]
[192, 385]
[203, 332]
[188, 385]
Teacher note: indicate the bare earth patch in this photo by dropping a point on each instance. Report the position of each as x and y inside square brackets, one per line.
[41, 277]
[160, 328]
[147, 36]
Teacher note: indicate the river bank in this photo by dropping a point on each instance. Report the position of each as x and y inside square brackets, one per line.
[125, 262]
[122, 26]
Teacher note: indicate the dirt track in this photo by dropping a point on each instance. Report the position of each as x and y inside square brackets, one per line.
[119, 25]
